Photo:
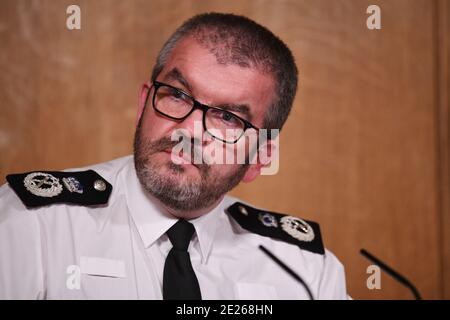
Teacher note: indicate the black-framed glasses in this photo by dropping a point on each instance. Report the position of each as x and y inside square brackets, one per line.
[176, 104]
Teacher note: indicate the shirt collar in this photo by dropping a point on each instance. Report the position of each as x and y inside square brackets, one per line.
[151, 221]
[206, 227]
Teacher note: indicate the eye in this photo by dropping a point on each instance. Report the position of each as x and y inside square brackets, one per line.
[226, 117]
[178, 95]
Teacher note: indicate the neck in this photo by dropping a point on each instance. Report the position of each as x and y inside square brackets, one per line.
[187, 215]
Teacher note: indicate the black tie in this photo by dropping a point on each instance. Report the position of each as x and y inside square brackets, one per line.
[179, 280]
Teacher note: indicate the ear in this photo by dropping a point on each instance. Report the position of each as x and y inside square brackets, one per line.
[264, 158]
[252, 173]
[142, 96]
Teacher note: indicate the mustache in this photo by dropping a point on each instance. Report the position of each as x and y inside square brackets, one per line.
[190, 144]
[162, 144]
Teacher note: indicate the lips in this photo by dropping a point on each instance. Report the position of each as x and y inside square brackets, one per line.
[185, 158]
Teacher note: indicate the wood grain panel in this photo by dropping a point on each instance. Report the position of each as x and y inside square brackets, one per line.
[359, 153]
[443, 119]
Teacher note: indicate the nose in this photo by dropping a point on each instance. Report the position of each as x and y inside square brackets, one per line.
[194, 125]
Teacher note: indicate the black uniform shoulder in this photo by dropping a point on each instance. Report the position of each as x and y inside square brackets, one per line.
[303, 233]
[41, 188]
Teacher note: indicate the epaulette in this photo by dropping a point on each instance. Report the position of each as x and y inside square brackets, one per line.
[41, 188]
[303, 233]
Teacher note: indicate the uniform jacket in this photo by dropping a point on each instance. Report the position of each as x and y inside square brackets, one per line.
[117, 250]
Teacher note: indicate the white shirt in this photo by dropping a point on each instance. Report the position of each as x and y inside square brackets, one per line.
[117, 251]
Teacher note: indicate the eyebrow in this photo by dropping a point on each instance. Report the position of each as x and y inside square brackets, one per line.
[244, 109]
[176, 75]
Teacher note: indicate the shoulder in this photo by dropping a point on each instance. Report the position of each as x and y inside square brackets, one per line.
[295, 241]
[85, 186]
[9, 203]
[279, 226]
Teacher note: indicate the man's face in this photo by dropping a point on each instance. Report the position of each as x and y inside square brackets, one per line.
[189, 187]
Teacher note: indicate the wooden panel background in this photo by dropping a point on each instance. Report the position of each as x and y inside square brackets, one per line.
[365, 151]
[443, 120]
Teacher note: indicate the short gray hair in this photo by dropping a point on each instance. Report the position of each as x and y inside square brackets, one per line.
[238, 40]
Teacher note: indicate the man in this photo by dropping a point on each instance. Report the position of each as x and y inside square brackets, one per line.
[159, 225]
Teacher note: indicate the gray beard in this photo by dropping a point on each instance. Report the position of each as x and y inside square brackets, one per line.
[185, 193]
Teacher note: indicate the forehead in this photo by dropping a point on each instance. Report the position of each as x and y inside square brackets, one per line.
[215, 83]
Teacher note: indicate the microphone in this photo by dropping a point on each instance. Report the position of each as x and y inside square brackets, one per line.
[288, 270]
[397, 276]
